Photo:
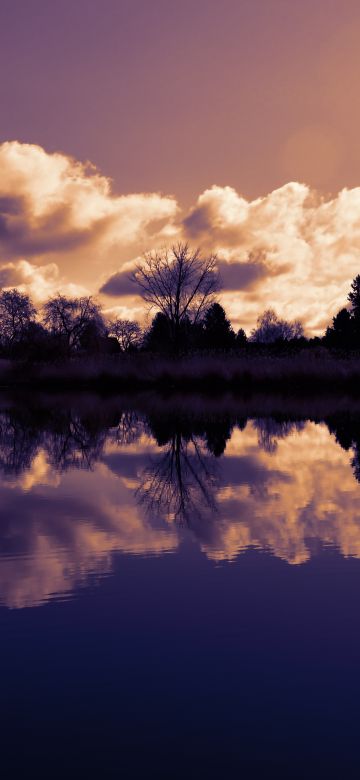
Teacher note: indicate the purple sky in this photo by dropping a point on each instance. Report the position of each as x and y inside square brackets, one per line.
[173, 97]
[177, 95]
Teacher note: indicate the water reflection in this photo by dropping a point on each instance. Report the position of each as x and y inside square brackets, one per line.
[180, 483]
[82, 480]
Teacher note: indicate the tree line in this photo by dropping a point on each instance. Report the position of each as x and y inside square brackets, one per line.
[180, 286]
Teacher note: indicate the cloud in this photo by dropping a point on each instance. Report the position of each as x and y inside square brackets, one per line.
[301, 491]
[63, 228]
[241, 276]
[47, 552]
[283, 488]
[54, 206]
[291, 250]
[51, 202]
[233, 275]
[309, 249]
[119, 283]
[39, 282]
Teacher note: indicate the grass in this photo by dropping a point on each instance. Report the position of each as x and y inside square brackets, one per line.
[307, 372]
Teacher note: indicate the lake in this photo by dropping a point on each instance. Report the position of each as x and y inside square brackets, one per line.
[179, 587]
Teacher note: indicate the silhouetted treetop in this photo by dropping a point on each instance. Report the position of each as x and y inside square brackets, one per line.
[179, 282]
[157, 338]
[341, 333]
[69, 318]
[241, 338]
[218, 333]
[354, 298]
[270, 328]
[127, 332]
[16, 314]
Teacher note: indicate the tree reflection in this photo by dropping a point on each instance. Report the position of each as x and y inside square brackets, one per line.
[346, 429]
[179, 484]
[128, 429]
[289, 499]
[19, 442]
[74, 444]
[68, 440]
[180, 481]
[270, 430]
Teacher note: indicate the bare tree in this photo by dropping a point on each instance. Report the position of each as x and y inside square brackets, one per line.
[271, 328]
[179, 282]
[127, 333]
[19, 442]
[129, 428]
[74, 444]
[16, 314]
[69, 318]
[179, 484]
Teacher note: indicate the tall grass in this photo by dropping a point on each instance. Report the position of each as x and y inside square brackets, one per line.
[306, 372]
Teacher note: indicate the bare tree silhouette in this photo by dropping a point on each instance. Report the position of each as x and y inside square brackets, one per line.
[75, 444]
[179, 484]
[70, 318]
[127, 332]
[129, 428]
[19, 443]
[17, 313]
[180, 283]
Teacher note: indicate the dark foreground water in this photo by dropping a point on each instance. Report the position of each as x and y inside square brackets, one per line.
[179, 591]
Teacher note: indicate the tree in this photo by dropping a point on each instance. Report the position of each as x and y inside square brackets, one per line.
[354, 298]
[180, 283]
[180, 484]
[157, 338]
[341, 334]
[218, 333]
[127, 333]
[70, 318]
[241, 338]
[16, 314]
[271, 329]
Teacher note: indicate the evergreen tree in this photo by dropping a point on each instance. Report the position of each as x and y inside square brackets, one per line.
[241, 338]
[341, 334]
[158, 337]
[354, 298]
[218, 333]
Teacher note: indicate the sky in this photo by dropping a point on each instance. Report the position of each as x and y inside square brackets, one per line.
[126, 125]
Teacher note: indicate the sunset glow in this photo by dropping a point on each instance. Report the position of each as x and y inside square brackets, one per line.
[258, 163]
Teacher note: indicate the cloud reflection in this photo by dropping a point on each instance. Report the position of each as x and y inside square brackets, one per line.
[78, 486]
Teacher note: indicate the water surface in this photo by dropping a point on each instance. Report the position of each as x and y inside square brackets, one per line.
[179, 589]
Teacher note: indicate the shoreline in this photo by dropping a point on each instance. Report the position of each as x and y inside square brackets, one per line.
[307, 373]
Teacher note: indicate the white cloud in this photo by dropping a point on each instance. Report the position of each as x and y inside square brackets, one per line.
[53, 207]
[309, 249]
[62, 228]
[40, 282]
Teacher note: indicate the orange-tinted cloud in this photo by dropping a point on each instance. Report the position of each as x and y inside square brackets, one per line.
[297, 489]
[56, 209]
[40, 282]
[55, 542]
[281, 487]
[309, 249]
[62, 228]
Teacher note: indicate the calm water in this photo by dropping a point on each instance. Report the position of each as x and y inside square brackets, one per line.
[179, 591]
